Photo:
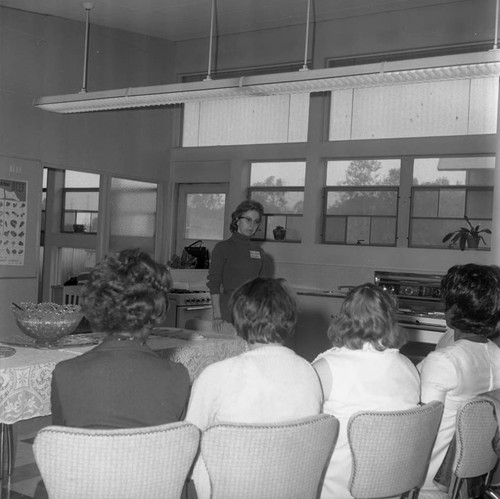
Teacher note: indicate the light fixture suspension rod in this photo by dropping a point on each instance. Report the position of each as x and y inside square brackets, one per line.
[212, 19]
[495, 45]
[88, 6]
[304, 67]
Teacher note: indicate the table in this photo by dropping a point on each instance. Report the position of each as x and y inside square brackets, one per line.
[25, 378]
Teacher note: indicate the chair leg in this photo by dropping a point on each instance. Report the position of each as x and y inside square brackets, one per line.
[6, 449]
[10, 449]
[492, 494]
[2, 449]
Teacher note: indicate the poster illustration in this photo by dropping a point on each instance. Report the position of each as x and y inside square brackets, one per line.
[13, 214]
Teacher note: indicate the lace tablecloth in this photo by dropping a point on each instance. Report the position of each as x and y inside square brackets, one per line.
[26, 376]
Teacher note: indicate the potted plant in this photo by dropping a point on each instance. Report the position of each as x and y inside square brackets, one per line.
[467, 236]
[279, 233]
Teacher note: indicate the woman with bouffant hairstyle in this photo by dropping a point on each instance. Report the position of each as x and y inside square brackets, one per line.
[466, 362]
[363, 371]
[126, 293]
[121, 383]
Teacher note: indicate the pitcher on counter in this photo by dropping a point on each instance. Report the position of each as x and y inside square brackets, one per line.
[235, 260]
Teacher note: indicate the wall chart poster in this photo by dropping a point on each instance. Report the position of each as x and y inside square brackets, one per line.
[13, 214]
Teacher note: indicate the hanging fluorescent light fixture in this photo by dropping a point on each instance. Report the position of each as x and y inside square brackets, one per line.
[462, 66]
[477, 65]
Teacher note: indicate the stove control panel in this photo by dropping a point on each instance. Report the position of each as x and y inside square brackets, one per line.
[184, 297]
[405, 285]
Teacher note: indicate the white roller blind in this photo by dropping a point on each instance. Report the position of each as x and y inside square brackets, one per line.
[255, 120]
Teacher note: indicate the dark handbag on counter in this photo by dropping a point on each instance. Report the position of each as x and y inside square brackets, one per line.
[201, 254]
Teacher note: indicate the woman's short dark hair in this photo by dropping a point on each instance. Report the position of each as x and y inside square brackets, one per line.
[264, 311]
[367, 315]
[471, 296]
[243, 207]
[126, 292]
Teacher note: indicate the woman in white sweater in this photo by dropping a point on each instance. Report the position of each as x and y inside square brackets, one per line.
[363, 371]
[267, 384]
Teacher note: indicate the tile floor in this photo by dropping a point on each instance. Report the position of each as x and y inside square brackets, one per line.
[25, 476]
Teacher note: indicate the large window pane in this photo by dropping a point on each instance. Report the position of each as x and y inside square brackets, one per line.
[205, 216]
[444, 191]
[133, 215]
[279, 187]
[425, 203]
[366, 202]
[80, 202]
[280, 201]
[278, 174]
[451, 203]
[133, 208]
[80, 209]
[363, 172]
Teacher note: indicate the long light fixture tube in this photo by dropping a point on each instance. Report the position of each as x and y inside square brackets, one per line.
[454, 67]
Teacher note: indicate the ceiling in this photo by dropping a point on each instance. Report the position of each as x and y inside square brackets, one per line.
[178, 20]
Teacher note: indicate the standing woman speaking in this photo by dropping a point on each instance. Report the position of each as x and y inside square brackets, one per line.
[235, 260]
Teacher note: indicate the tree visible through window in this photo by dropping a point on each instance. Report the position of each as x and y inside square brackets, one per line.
[279, 187]
[361, 202]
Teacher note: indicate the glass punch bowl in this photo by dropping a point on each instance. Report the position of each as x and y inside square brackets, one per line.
[46, 322]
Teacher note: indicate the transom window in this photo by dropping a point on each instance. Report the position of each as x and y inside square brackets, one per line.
[279, 186]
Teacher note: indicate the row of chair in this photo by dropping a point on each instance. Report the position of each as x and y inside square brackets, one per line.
[391, 452]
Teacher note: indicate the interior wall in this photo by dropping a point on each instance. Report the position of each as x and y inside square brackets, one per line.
[43, 55]
[454, 22]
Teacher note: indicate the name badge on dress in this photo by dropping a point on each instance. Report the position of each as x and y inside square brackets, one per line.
[254, 254]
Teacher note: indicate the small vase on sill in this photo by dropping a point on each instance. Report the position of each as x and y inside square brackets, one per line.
[279, 233]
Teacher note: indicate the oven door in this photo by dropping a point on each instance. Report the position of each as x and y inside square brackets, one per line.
[184, 313]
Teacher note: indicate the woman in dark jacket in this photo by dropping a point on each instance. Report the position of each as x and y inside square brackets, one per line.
[121, 383]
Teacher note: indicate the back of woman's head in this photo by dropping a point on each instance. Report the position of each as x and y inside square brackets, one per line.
[471, 296]
[264, 311]
[126, 292]
[368, 315]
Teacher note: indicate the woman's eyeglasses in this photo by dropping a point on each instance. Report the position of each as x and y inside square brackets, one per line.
[250, 221]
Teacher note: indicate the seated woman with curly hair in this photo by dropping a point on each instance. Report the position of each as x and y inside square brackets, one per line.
[121, 383]
[469, 364]
[363, 371]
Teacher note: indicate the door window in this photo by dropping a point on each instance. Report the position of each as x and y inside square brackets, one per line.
[201, 209]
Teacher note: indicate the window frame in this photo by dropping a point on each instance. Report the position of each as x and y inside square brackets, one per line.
[371, 188]
[405, 201]
[64, 211]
